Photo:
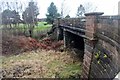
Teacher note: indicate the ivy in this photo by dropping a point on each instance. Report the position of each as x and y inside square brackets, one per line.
[99, 55]
[105, 56]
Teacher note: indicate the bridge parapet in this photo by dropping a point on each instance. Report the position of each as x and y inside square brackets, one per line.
[73, 22]
[109, 26]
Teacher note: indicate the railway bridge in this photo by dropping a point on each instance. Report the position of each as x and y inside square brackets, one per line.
[98, 37]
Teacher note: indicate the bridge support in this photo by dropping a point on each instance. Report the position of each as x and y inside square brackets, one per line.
[66, 38]
[59, 34]
[91, 25]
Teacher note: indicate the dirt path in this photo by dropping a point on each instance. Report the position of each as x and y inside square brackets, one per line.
[41, 64]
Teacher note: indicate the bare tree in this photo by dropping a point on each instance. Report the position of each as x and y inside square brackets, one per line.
[80, 11]
[85, 8]
[89, 7]
[30, 16]
[64, 9]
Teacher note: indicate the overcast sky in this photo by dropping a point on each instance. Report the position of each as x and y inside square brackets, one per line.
[109, 7]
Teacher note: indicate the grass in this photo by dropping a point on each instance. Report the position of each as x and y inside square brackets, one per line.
[43, 64]
[23, 29]
[42, 26]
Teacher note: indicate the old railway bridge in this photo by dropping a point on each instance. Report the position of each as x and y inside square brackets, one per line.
[99, 38]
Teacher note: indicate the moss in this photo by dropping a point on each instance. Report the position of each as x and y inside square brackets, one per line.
[70, 70]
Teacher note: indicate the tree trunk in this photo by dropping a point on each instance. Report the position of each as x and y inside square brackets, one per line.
[31, 30]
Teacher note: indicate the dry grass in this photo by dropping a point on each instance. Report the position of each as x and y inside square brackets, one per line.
[41, 64]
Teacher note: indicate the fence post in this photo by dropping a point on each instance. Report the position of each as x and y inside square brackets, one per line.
[66, 38]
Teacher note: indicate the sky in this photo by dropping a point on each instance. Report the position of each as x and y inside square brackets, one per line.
[109, 7]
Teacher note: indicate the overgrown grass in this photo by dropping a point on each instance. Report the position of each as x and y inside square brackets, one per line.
[42, 26]
[23, 29]
[41, 29]
[45, 64]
